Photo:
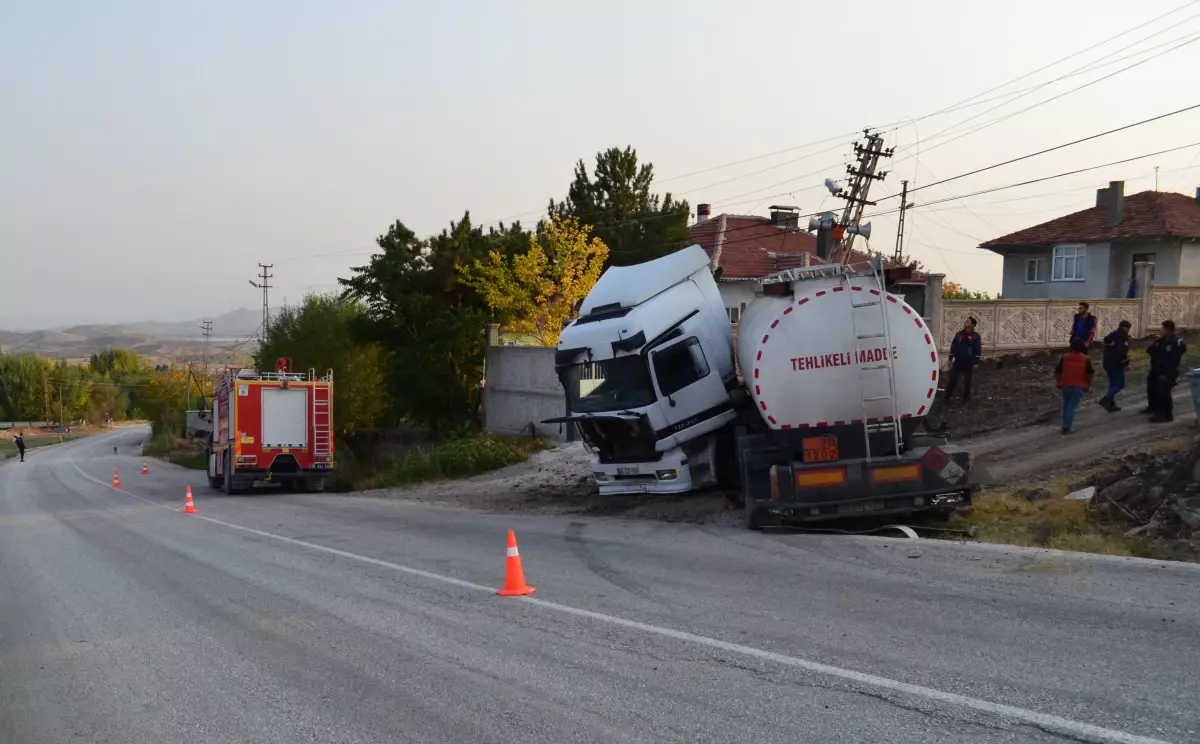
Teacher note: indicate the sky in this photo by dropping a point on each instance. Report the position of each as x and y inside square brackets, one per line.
[152, 154]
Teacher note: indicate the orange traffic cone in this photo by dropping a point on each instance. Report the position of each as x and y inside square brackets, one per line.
[145, 469]
[188, 506]
[116, 479]
[514, 575]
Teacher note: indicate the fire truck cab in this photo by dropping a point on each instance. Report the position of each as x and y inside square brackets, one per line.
[271, 427]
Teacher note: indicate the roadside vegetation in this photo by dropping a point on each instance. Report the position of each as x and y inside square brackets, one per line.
[1037, 513]
[34, 440]
[459, 457]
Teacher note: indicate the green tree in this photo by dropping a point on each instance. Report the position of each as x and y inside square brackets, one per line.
[23, 387]
[419, 307]
[615, 200]
[317, 335]
[115, 362]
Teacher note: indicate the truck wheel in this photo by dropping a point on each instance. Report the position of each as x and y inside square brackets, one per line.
[310, 485]
[227, 483]
[757, 517]
[214, 480]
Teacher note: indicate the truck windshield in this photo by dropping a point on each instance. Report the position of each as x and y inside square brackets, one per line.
[610, 385]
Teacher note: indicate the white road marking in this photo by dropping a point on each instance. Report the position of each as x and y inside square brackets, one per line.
[1023, 715]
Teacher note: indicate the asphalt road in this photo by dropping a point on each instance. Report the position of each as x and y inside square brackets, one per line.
[295, 618]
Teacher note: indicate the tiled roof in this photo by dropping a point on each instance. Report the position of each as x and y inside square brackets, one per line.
[1149, 214]
[750, 247]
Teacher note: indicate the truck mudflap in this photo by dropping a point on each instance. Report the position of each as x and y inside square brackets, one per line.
[929, 479]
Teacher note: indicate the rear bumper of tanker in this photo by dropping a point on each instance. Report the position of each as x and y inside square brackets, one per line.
[870, 505]
[933, 480]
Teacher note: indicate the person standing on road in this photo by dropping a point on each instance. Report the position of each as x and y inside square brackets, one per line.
[19, 440]
[1116, 361]
[1084, 325]
[1074, 373]
[1166, 353]
[965, 351]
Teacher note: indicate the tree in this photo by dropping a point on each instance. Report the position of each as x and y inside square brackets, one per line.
[615, 200]
[955, 291]
[317, 335]
[539, 290]
[419, 307]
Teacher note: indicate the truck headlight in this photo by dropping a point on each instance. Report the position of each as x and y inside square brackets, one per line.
[667, 474]
[600, 477]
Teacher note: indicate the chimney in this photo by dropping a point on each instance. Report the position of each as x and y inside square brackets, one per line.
[785, 217]
[1116, 203]
[1101, 198]
[702, 213]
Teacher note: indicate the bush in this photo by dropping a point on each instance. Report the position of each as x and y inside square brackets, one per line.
[455, 458]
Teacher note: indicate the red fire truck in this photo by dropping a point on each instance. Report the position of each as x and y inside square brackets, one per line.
[271, 427]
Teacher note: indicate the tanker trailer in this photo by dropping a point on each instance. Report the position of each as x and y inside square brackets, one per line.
[840, 374]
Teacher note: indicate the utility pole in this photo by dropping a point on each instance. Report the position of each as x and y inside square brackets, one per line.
[206, 328]
[862, 176]
[904, 205]
[265, 278]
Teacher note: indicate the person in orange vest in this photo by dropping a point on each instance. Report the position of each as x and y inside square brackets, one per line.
[1074, 373]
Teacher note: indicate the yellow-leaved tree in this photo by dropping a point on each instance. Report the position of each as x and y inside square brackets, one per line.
[539, 291]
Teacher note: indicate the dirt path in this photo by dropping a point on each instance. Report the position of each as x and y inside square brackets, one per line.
[1042, 450]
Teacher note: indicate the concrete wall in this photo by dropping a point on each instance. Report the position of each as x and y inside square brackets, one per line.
[522, 389]
[199, 424]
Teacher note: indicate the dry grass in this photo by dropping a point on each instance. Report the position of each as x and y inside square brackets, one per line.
[1004, 515]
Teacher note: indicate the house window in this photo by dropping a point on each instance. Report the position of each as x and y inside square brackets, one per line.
[1068, 263]
[679, 366]
[734, 314]
[1035, 271]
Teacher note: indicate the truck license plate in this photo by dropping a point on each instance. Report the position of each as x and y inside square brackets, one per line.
[627, 471]
[864, 506]
[820, 449]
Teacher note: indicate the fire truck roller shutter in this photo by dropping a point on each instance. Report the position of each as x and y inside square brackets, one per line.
[285, 417]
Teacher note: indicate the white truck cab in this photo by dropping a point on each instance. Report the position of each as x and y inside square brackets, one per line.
[648, 369]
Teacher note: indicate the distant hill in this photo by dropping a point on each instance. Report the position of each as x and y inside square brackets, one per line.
[155, 340]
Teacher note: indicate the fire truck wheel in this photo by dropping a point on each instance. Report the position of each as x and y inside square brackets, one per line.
[228, 485]
[310, 485]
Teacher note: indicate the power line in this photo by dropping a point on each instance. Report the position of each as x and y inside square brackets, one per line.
[1051, 149]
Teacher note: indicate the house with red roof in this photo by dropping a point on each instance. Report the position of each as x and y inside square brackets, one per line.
[1093, 253]
[743, 249]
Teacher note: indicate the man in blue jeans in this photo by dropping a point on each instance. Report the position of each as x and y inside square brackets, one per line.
[1116, 362]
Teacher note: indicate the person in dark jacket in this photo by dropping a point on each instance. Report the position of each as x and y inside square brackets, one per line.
[19, 440]
[1084, 325]
[1116, 361]
[1166, 354]
[965, 351]
[1074, 374]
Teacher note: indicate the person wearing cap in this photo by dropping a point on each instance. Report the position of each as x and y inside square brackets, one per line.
[1166, 354]
[1116, 361]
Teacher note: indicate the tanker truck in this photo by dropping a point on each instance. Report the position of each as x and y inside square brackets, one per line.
[825, 419]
